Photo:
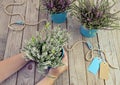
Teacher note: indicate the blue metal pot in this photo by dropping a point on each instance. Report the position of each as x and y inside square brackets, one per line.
[87, 33]
[59, 18]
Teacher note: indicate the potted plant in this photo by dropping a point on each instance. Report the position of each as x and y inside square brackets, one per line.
[94, 15]
[47, 51]
[57, 9]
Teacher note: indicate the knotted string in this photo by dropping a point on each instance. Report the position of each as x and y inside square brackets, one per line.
[92, 56]
[90, 52]
[22, 21]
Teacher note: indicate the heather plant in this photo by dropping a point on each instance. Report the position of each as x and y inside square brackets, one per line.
[47, 50]
[57, 6]
[95, 14]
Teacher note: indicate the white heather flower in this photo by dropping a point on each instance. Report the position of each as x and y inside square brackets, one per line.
[47, 51]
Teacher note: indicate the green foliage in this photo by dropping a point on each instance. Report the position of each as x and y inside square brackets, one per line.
[95, 14]
[46, 50]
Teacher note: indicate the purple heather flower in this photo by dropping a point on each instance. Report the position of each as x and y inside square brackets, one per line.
[51, 4]
[68, 2]
[98, 14]
[61, 1]
[88, 19]
[57, 5]
[101, 13]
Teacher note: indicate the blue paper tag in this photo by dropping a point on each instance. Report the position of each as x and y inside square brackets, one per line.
[95, 65]
[89, 45]
[19, 22]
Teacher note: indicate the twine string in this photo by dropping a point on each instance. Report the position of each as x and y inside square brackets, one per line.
[23, 21]
[92, 56]
[91, 53]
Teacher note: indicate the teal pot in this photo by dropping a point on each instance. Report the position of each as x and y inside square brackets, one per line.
[89, 33]
[59, 18]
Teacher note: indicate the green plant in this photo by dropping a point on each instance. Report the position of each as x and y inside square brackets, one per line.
[95, 14]
[46, 50]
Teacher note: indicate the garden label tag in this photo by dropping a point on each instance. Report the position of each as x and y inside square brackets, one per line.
[95, 65]
[89, 45]
[19, 22]
[104, 70]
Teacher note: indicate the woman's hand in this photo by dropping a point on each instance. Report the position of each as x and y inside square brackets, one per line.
[59, 70]
[55, 72]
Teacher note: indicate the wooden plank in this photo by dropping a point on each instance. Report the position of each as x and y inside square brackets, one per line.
[91, 78]
[27, 74]
[117, 34]
[4, 20]
[106, 40]
[117, 44]
[116, 40]
[64, 78]
[14, 43]
[77, 69]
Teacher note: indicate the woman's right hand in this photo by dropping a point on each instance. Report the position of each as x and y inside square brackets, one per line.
[59, 70]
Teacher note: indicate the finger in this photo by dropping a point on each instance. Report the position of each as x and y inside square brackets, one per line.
[65, 57]
[65, 54]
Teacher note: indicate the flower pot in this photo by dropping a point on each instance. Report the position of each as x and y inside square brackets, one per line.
[59, 18]
[88, 33]
[62, 55]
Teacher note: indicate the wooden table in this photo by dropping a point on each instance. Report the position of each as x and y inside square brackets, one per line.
[12, 41]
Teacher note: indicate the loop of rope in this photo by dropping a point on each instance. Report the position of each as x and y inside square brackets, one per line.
[92, 56]
[22, 22]
[91, 53]
[12, 4]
